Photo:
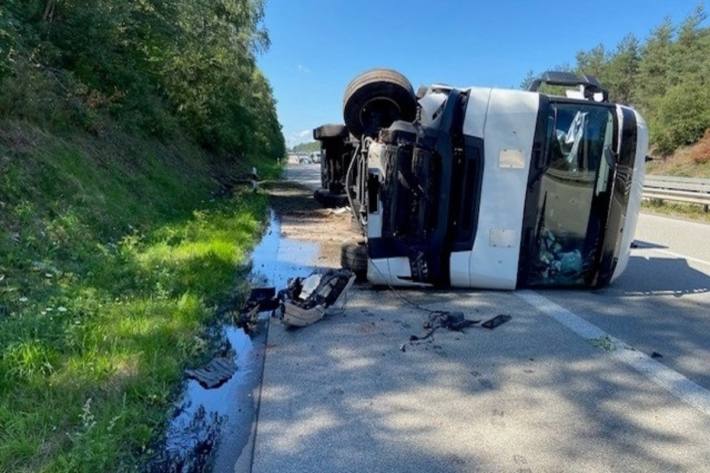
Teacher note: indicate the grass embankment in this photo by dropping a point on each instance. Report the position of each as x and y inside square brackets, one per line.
[677, 210]
[113, 255]
[689, 161]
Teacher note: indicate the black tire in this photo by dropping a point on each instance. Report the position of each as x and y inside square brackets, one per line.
[377, 98]
[325, 132]
[329, 200]
[353, 256]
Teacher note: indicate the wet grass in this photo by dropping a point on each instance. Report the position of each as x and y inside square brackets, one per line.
[113, 257]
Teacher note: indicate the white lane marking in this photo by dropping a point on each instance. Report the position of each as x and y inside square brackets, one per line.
[678, 255]
[670, 380]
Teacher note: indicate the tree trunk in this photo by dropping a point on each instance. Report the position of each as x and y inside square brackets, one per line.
[49, 7]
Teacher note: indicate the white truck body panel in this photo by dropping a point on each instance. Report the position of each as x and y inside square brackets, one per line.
[506, 128]
[636, 193]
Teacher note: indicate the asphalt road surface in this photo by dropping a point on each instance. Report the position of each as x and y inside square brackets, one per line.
[616, 379]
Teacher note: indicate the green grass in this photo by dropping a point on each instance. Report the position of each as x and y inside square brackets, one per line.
[113, 257]
[677, 210]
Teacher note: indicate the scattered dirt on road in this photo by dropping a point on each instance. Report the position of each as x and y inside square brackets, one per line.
[302, 218]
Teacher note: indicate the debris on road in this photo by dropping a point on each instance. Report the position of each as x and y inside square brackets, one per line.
[454, 321]
[216, 372]
[306, 300]
[496, 321]
[264, 297]
[261, 299]
[309, 285]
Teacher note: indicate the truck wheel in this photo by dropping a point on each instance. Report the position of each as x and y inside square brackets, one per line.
[377, 98]
[325, 132]
[353, 256]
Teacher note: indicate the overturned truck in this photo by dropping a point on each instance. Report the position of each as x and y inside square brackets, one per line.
[490, 188]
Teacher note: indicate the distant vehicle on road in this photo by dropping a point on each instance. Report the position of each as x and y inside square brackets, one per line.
[488, 188]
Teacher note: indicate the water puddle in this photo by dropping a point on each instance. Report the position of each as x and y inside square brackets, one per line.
[213, 429]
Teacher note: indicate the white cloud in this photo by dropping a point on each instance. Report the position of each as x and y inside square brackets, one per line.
[303, 136]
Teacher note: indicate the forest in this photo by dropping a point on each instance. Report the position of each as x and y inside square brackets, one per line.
[666, 77]
[161, 68]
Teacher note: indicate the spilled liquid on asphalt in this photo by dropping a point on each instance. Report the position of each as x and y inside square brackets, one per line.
[212, 429]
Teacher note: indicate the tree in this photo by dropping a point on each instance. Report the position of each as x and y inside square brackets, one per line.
[164, 68]
[654, 67]
[592, 62]
[665, 78]
[682, 117]
[527, 81]
[622, 69]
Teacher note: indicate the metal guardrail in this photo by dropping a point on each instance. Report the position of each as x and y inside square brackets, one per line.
[678, 189]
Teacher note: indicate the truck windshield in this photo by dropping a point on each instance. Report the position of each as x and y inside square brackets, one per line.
[574, 192]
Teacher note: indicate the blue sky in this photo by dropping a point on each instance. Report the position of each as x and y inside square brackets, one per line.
[318, 46]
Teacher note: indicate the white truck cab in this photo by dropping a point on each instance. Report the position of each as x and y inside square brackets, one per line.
[496, 188]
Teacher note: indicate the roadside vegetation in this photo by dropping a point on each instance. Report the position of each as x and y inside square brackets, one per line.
[687, 161]
[677, 210]
[666, 77]
[120, 124]
[308, 147]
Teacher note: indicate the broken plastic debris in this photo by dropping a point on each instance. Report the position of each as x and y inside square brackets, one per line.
[296, 316]
[260, 299]
[215, 373]
[265, 297]
[309, 285]
[496, 321]
[455, 321]
[301, 311]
